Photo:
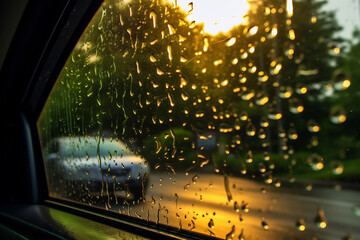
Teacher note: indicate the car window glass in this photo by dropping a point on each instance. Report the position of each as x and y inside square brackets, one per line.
[234, 119]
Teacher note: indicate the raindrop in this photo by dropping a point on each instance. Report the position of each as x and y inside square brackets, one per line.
[244, 55]
[301, 89]
[190, 7]
[199, 114]
[171, 29]
[236, 207]
[277, 183]
[153, 58]
[159, 71]
[231, 234]
[292, 134]
[137, 67]
[264, 225]
[313, 126]
[262, 168]
[184, 96]
[206, 44]
[340, 80]
[153, 17]
[183, 59]
[316, 162]
[194, 179]
[169, 50]
[227, 188]
[320, 219]
[274, 115]
[241, 219]
[252, 31]
[245, 207]
[248, 158]
[261, 134]
[211, 223]
[250, 129]
[285, 92]
[300, 224]
[261, 99]
[243, 116]
[337, 115]
[296, 106]
[337, 167]
[225, 128]
[247, 95]
[241, 236]
[308, 187]
[264, 122]
[231, 42]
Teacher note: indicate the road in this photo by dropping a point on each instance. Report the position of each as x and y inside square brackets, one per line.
[200, 203]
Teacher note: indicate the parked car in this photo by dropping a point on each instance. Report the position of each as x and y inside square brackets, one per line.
[101, 166]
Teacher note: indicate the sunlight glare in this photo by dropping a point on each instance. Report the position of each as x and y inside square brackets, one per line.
[289, 8]
[217, 16]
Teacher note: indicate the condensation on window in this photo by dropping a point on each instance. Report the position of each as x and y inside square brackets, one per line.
[231, 119]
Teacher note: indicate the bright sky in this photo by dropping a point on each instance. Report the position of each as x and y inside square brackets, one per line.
[218, 15]
[347, 14]
[222, 15]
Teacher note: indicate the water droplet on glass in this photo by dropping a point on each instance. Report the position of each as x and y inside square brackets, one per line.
[250, 129]
[261, 99]
[231, 42]
[301, 89]
[184, 96]
[316, 162]
[262, 134]
[183, 59]
[227, 188]
[320, 219]
[231, 234]
[264, 225]
[225, 128]
[153, 58]
[169, 50]
[337, 115]
[194, 179]
[245, 207]
[264, 122]
[340, 80]
[236, 207]
[292, 134]
[313, 126]
[159, 71]
[211, 223]
[274, 115]
[296, 106]
[285, 92]
[337, 167]
[171, 29]
[300, 224]
[206, 44]
[248, 158]
[252, 31]
[153, 17]
[242, 236]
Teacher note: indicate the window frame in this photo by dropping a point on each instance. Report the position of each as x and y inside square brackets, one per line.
[70, 22]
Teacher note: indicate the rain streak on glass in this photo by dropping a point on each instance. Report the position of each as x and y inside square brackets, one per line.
[234, 120]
